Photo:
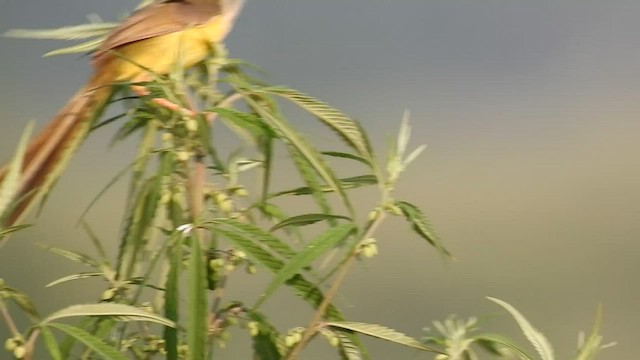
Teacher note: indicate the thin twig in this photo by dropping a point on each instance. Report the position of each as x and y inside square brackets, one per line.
[8, 320]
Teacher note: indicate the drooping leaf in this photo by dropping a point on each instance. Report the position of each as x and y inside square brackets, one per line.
[535, 337]
[319, 246]
[306, 219]
[421, 225]
[303, 149]
[348, 129]
[344, 155]
[265, 343]
[22, 300]
[381, 332]
[82, 275]
[122, 311]
[94, 343]
[263, 237]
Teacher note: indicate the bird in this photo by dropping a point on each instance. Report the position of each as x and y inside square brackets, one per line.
[152, 40]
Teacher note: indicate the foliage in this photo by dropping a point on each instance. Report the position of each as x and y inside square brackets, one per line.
[192, 223]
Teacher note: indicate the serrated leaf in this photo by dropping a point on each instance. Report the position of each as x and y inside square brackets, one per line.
[319, 246]
[93, 342]
[197, 300]
[343, 155]
[74, 256]
[83, 275]
[485, 339]
[126, 312]
[265, 343]
[382, 332]
[51, 344]
[348, 129]
[305, 150]
[264, 238]
[249, 244]
[306, 219]
[347, 183]
[421, 225]
[348, 350]
[536, 338]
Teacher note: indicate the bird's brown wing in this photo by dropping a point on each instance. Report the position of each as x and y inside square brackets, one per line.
[157, 20]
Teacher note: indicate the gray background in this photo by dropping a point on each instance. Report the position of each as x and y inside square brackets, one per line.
[530, 110]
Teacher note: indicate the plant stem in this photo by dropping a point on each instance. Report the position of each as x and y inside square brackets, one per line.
[6, 316]
[312, 328]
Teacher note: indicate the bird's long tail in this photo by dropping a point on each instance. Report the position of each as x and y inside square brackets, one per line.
[49, 152]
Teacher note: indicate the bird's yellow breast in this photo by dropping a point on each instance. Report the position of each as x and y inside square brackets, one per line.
[162, 53]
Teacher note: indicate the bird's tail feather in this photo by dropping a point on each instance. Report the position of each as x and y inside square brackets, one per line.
[49, 152]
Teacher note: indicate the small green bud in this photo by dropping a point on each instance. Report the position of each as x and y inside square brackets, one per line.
[10, 344]
[254, 328]
[373, 214]
[251, 269]
[19, 352]
[191, 125]
[183, 155]
[167, 137]
[216, 264]
[242, 192]
[226, 206]
[108, 294]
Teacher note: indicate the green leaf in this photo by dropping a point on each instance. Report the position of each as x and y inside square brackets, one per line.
[501, 340]
[344, 155]
[382, 332]
[348, 350]
[249, 244]
[347, 183]
[265, 343]
[251, 231]
[311, 178]
[536, 338]
[22, 300]
[171, 299]
[306, 219]
[319, 246]
[421, 225]
[92, 342]
[348, 129]
[83, 275]
[51, 344]
[197, 301]
[74, 256]
[592, 345]
[124, 312]
[303, 148]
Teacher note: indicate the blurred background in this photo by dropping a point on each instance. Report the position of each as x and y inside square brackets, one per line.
[530, 111]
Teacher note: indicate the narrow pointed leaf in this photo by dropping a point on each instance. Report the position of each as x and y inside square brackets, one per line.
[92, 342]
[421, 225]
[536, 338]
[197, 313]
[316, 248]
[593, 343]
[350, 130]
[382, 332]
[51, 343]
[501, 340]
[306, 219]
[75, 32]
[126, 312]
[83, 275]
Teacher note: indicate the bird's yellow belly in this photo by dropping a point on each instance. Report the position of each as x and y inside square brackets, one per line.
[161, 54]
